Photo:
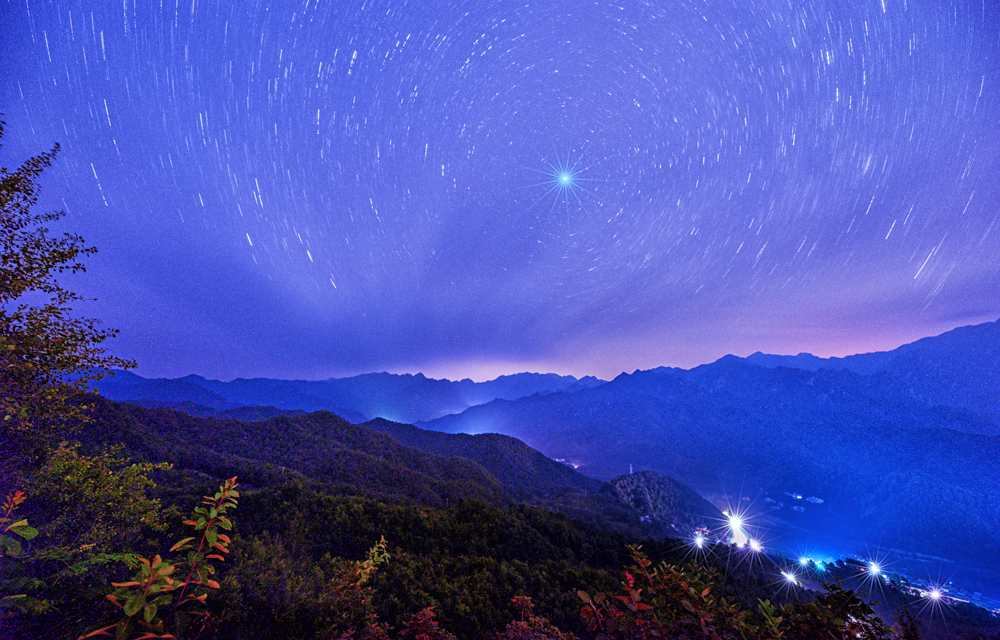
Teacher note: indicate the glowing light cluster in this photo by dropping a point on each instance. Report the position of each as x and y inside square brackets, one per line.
[739, 536]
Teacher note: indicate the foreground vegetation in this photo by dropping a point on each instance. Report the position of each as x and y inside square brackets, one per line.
[294, 557]
[466, 570]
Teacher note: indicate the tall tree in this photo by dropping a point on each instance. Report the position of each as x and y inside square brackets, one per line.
[48, 354]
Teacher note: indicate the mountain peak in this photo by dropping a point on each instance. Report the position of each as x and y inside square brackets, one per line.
[665, 502]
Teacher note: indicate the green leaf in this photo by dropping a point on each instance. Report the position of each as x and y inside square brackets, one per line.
[149, 613]
[134, 604]
[11, 547]
[162, 600]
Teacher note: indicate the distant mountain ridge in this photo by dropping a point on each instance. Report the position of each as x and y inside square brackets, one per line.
[959, 340]
[244, 414]
[959, 368]
[905, 455]
[400, 398]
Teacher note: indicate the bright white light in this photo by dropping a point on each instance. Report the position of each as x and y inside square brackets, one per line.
[755, 545]
[790, 577]
[874, 568]
[699, 541]
[565, 180]
[740, 538]
[803, 561]
[934, 594]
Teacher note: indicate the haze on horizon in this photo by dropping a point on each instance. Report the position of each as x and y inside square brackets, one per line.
[308, 189]
[486, 371]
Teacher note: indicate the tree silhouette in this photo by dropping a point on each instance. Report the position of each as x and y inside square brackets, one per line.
[47, 353]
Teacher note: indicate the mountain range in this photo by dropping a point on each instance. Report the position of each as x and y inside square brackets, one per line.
[900, 453]
[401, 398]
[897, 449]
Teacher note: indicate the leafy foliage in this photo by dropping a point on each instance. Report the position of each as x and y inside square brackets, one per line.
[95, 513]
[529, 626]
[13, 529]
[274, 592]
[100, 500]
[152, 588]
[12, 534]
[669, 601]
[423, 626]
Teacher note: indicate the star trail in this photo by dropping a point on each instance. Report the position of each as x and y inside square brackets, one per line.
[311, 188]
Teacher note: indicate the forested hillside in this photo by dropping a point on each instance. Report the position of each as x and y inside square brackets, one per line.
[318, 494]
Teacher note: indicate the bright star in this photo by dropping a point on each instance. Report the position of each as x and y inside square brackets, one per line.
[564, 180]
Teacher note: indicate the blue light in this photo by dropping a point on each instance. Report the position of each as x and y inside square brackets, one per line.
[565, 180]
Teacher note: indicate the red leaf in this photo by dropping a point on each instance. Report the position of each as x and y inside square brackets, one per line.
[100, 632]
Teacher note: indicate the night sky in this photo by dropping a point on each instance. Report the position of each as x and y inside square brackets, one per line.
[315, 188]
